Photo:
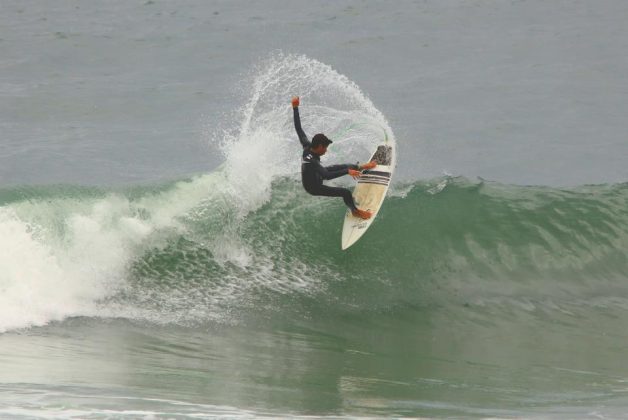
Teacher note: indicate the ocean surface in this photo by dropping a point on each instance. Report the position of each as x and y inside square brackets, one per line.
[159, 258]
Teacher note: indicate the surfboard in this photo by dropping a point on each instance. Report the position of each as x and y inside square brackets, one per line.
[369, 194]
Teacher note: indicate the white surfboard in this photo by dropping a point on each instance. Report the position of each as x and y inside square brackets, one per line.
[369, 194]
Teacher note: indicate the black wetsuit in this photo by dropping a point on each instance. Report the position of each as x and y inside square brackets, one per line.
[313, 173]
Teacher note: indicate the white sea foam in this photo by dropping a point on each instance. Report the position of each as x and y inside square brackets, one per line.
[57, 265]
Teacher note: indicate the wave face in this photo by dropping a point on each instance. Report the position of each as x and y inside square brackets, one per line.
[170, 254]
[245, 242]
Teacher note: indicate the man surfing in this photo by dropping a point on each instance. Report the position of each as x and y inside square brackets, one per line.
[313, 173]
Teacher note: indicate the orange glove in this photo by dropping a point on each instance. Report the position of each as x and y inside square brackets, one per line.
[355, 174]
[369, 165]
[295, 101]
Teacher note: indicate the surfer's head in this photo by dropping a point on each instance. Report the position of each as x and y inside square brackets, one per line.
[320, 143]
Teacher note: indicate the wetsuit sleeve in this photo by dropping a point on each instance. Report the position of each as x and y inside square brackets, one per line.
[334, 171]
[343, 166]
[297, 126]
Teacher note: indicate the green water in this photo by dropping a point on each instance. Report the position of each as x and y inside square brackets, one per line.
[465, 299]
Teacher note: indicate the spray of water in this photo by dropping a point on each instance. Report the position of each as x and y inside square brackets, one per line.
[78, 255]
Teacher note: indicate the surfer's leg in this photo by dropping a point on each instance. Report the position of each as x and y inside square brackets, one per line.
[328, 191]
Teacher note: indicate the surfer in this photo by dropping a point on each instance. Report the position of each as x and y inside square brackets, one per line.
[313, 173]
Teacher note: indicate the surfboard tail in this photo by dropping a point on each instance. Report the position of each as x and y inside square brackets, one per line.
[356, 228]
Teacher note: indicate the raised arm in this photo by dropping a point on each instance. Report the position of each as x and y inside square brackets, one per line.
[305, 142]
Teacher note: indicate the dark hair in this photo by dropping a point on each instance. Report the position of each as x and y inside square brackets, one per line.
[320, 139]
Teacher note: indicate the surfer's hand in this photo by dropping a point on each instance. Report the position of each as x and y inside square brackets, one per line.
[355, 174]
[295, 101]
[369, 165]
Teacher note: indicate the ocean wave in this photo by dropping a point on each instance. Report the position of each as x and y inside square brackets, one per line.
[169, 254]
[245, 241]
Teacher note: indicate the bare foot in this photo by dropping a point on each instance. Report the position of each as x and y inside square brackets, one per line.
[362, 214]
